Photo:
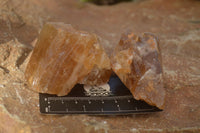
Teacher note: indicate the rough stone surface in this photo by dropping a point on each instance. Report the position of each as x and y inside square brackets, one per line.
[137, 62]
[175, 22]
[63, 57]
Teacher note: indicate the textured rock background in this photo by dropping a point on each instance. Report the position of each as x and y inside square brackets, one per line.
[176, 22]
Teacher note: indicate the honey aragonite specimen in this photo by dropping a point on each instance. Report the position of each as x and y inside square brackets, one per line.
[63, 57]
[137, 62]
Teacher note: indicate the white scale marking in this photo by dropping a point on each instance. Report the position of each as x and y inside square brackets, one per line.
[84, 109]
[118, 107]
[115, 101]
[89, 101]
[46, 109]
[76, 102]
[45, 99]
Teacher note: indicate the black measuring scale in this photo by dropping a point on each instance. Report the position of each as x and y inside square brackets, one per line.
[111, 99]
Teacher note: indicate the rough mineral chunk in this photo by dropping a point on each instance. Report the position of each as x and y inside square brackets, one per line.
[137, 62]
[63, 57]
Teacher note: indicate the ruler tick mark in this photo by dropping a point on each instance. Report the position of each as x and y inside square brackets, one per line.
[118, 107]
[84, 109]
[46, 109]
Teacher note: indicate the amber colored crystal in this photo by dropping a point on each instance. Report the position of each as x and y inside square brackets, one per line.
[137, 62]
[63, 57]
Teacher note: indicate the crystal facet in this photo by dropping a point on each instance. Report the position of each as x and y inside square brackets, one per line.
[137, 62]
[63, 57]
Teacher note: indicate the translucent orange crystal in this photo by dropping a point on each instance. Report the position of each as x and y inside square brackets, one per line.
[63, 57]
[137, 62]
